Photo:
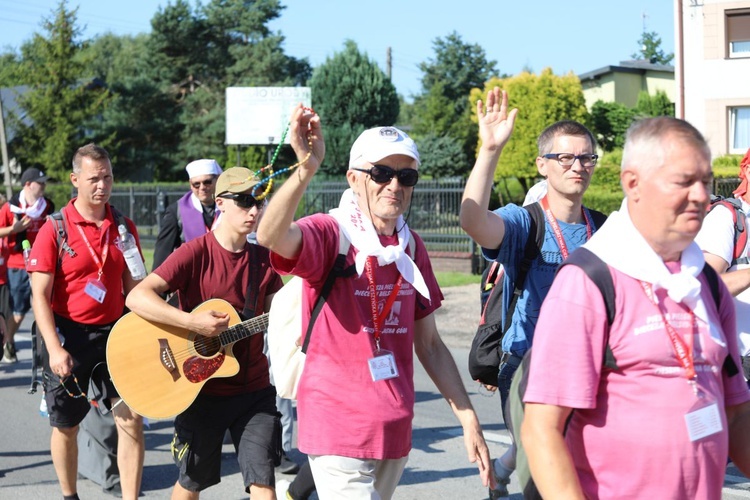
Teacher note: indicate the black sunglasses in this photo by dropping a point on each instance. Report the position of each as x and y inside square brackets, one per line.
[382, 174]
[207, 183]
[243, 200]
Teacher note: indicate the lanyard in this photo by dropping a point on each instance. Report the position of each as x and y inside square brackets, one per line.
[683, 350]
[105, 250]
[377, 319]
[556, 227]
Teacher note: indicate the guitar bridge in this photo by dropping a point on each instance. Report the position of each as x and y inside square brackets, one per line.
[167, 358]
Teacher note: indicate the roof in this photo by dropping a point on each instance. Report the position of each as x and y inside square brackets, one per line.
[638, 67]
[9, 96]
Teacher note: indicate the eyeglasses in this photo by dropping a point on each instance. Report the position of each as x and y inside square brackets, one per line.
[207, 183]
[80, 394]
[383, 174]
[243, 200]
[568, 159]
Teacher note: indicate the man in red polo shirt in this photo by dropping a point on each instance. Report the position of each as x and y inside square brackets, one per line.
[76, 301]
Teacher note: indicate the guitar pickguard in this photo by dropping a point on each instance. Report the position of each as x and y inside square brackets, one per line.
[197, 369]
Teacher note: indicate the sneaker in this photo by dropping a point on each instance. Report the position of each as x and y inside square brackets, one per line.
[9, 354]
[115, 491]
[502, 478]
[287, 466]
[282, 489]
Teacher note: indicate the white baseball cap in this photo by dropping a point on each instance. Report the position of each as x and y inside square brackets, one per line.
[376, 143]
[203, 167]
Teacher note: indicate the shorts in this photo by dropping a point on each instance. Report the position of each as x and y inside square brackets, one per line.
[87, 346]
[255, 427]
[20, 291]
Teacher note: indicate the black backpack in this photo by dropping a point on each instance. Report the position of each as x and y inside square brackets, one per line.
[599, 273]
[486, 347]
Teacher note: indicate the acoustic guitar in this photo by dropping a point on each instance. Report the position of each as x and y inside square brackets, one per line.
[158, 369]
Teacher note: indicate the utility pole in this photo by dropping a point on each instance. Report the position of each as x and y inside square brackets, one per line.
[388, 62]
[4, 150]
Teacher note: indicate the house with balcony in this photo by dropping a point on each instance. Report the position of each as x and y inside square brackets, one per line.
[712, 69]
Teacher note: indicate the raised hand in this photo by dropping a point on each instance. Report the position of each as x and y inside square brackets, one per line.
[306, 137]
[495, 124]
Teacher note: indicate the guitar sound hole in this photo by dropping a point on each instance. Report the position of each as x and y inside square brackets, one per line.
[206, 346]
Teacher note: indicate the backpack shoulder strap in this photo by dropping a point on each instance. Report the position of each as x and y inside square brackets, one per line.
[598, 272]
[338, 270]
[119, 217]
[729, 367]
[531, 250]
[598, 217]
[60, 224]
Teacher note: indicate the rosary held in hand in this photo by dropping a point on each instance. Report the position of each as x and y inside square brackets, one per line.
[268, 169]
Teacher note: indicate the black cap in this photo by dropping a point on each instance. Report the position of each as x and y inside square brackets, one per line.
[33, 175]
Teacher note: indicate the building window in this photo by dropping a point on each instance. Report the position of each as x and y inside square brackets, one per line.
[738, 32]
[739, 130]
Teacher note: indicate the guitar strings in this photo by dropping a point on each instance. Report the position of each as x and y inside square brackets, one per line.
[213, 344]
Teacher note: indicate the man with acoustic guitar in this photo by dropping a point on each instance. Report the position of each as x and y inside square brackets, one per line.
[78, 286]
[221, 264]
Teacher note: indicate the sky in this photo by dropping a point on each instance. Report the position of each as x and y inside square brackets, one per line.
[577, 35]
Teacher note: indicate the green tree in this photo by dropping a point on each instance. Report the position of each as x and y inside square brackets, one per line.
[441, 156]
[11, 70]
[610, 121]
[443, 108]
[350, 93]
[199, 52]
[59, 102]
[654, 105]
[541, 100]
[650, 49]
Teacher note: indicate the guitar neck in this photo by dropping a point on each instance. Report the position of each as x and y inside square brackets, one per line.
[243, 330]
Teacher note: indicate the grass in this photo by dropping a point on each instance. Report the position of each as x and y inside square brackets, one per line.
[445, 279]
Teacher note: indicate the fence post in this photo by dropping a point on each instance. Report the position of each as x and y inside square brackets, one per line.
[161, 202]
[131, 202]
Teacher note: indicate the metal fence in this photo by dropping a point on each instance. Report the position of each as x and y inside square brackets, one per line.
[434, 209]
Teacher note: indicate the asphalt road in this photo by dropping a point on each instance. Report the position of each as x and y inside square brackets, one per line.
[437, 468]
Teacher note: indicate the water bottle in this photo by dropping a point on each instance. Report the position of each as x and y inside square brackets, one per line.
[126, 244]
[43, 407]
[26, 246]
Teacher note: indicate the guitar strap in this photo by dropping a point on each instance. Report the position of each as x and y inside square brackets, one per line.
[251, 294]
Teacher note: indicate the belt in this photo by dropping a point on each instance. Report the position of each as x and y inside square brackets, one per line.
[511, 359]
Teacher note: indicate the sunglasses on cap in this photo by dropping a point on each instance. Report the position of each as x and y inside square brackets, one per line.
[243, 200]
[383, 174]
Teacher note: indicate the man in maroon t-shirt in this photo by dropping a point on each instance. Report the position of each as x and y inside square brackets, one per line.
[222, 264]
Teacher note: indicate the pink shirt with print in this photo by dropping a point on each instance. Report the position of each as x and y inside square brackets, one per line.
[628, 436]
[341, 410]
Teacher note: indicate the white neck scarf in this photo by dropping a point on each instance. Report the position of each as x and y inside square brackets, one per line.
[620, 245]
[34, 211]
[360, 231]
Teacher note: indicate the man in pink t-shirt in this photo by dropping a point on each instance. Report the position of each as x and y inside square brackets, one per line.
[356, 394]
[663, 421]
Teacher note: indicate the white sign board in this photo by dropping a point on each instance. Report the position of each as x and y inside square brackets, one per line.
[259, 115]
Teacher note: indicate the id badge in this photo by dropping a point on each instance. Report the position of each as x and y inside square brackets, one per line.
[703, 419]
[383, 366]
[96, 290]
